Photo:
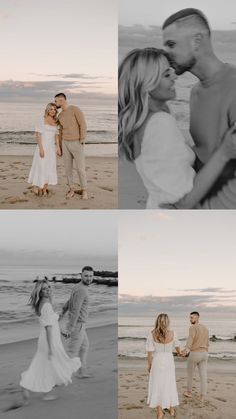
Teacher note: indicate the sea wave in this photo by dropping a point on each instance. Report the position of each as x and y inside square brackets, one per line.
[142, 355]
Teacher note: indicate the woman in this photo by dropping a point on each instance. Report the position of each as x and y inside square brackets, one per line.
[162, 391]
[44, 171]
[149, 136]
[51, 365]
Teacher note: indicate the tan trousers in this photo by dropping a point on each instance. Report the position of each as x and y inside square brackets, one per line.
[197, 359]
[74, 150]
[78, 345]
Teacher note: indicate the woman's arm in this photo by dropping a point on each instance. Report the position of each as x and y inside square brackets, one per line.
[49, 340]
[57, 138]
[206, 177]
[149, 361]
[39, 142]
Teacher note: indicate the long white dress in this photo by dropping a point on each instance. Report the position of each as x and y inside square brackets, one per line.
[165, 162]
[44, 170]
[43, 374]
[162, 390]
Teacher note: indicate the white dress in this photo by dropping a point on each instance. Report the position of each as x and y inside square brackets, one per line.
[44, 170]
[43, 374]
[162, 390]
[165, 162]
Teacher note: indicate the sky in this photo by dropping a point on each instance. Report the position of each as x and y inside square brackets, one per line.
[49, 46]
[176, 257]
[62, 237]
[222, 15]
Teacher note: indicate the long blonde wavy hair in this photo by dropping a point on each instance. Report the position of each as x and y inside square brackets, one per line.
[47, 109]
[36, 295]
[139, 74]
[161, 327]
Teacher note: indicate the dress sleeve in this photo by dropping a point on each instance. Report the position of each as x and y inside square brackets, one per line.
[166, 158]
[39, 126]
[47, 315]
[149, 343]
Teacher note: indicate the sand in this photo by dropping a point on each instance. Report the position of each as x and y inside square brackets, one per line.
[16, 193]
[220, 401]
[91, 398]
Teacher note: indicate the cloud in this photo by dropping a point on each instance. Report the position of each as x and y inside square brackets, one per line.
[182, 303]
[11, 90]
[73, 76]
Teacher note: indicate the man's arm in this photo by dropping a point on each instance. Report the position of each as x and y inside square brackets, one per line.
[190, 339]
[79, 116]
[76, 305]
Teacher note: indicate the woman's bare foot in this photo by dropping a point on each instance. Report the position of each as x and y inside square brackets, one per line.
[84, 194]
[36, 190]
[160, 413]
[45, 190]
[172, 412]
[26, 396]
[70, 194]
[201, 398]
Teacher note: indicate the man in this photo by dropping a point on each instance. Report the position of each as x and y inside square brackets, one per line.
[77, 306]
[187, 40]
[197, 347]
[72, 134]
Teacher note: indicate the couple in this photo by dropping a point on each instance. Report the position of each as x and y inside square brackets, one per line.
[176, 174]
[51, 365]
[68, 131]
[162, 389]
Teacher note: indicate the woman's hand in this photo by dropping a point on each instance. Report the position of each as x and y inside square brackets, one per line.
[41, 153]
[228, 145]
[149, 367]
[49, 354]
[58, 151]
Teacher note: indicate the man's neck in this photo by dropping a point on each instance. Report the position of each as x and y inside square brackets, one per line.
[207, 67]
[64, 107]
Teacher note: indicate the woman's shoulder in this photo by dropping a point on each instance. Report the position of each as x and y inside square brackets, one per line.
[161, 122]
[46, 307]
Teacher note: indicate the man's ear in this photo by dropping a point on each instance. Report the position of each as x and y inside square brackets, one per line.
[197, 39]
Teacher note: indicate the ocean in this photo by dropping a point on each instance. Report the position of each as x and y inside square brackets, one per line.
[17, 320]
[18, 120]
[134, 330]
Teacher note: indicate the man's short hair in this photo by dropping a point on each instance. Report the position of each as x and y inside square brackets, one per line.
[185, 13]
[87, 268]
[61, 95]
[195, 313]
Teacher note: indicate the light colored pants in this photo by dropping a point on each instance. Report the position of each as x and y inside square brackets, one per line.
[197, 359]
[78, 344]
[74, 150]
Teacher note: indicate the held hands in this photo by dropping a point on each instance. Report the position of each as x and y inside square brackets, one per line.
[228, 146]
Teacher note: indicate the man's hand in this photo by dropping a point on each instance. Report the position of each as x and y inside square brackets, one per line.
[66, 335]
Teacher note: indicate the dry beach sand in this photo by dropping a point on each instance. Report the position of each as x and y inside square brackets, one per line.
[94, 397]
[220, 401]
[16, 193]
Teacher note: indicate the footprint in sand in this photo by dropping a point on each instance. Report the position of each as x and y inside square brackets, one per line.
[15, 199]
[220, 399]
[106, 188]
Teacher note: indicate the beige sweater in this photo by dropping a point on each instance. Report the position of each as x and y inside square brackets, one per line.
[72, 124]
[198, 339]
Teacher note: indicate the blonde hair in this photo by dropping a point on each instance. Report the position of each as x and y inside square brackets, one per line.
[139, 74]
[48, 108]
[36, 295]
[161, 327]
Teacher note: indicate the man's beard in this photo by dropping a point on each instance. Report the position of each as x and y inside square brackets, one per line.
[182, 68]
[58, 107]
